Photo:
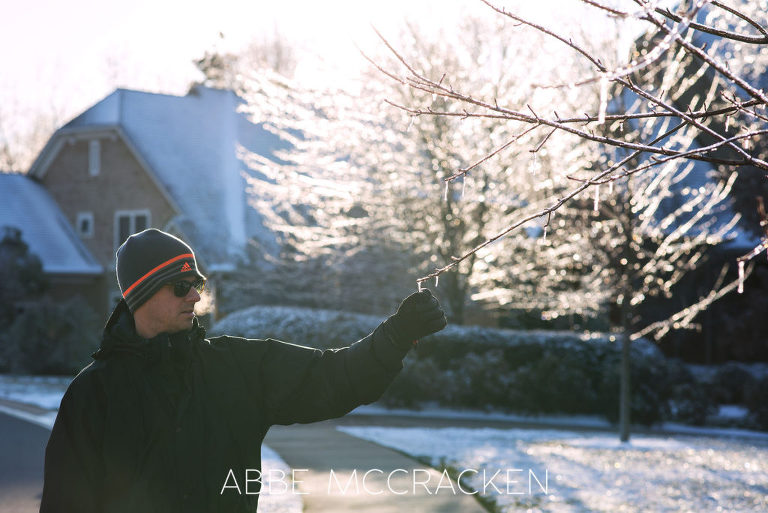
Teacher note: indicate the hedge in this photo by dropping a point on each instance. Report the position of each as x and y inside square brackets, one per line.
[479, 367]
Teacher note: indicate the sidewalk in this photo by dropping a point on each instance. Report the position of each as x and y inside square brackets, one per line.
[337, 463]
[29, 412]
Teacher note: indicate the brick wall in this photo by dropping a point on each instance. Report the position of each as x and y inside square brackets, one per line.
[122, 184]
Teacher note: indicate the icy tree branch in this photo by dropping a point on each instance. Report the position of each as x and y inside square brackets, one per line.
[705, 120]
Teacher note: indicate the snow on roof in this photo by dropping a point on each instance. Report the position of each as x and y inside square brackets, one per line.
[191, 142]
[26, 205]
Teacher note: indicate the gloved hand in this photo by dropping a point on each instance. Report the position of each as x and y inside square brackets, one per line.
[417, 316]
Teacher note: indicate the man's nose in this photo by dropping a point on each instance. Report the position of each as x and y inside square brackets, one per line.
[193, 296]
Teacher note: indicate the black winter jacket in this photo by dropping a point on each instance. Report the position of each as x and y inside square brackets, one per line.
[156, 425]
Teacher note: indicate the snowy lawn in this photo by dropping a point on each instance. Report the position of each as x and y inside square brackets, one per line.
[41, 391]
[589, 472]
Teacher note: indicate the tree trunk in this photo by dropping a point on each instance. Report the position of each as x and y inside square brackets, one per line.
[630, 260]
[626, 397]
[455, 298]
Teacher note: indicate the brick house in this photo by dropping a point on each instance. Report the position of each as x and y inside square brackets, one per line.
[136, 160]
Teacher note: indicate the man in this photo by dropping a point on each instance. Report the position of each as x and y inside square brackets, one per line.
[160, 418]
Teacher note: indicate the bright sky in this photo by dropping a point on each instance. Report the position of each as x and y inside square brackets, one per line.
[60, 57]
[67, 55]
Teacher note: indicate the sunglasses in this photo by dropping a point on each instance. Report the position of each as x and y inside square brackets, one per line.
[181, 287]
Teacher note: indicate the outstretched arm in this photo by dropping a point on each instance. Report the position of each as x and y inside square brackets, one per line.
[306, 385]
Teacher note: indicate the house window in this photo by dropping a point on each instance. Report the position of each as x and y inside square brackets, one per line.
[85, 224]
[94, 157]
[128, 222]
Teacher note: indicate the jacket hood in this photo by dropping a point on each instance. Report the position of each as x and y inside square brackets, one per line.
[120, 336]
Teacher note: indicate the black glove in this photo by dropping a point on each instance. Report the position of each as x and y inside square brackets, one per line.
[417, 316]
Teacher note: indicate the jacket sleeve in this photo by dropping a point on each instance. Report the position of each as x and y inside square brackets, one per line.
[72, 456]
[302, 384]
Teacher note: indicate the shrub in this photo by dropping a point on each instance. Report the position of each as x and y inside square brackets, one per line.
[488, 381]
[731, 382]
[478, 367]
[690, 404]
[21, 274]
[39, 335]
[757, 402]
[420, 381]
[648, 385]
[49, 338]
[558, 382]
[305, 326]
[690, 401]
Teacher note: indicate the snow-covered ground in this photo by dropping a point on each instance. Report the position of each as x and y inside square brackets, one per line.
[570, 421]
[41, 391]
[570, 472]
[579, 471]
[46, 392]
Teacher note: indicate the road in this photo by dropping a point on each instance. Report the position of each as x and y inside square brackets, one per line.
[22, 449]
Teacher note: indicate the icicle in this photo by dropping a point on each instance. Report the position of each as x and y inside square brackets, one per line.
[741, 277]
[410, 124]
[533, 165]
[463, 185]
[603, 99]
[437, 280]
[727, 122]
[545, 233]
[445, 195]
[419, 285]
[610, 187]
[597, 197]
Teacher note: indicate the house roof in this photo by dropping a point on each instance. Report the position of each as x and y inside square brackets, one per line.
[190, 143]
[26, 205]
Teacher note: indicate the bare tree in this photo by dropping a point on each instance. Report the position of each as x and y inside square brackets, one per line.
[586, 177]
[23, 135]
[228, 69]
[672, 27]
[684, 99]
[350, 152]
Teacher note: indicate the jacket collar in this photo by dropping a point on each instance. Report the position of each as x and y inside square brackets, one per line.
[120, 335]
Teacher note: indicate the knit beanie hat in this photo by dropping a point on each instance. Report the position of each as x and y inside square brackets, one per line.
[147, 260]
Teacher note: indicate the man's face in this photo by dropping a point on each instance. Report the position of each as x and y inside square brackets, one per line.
[165, 312]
